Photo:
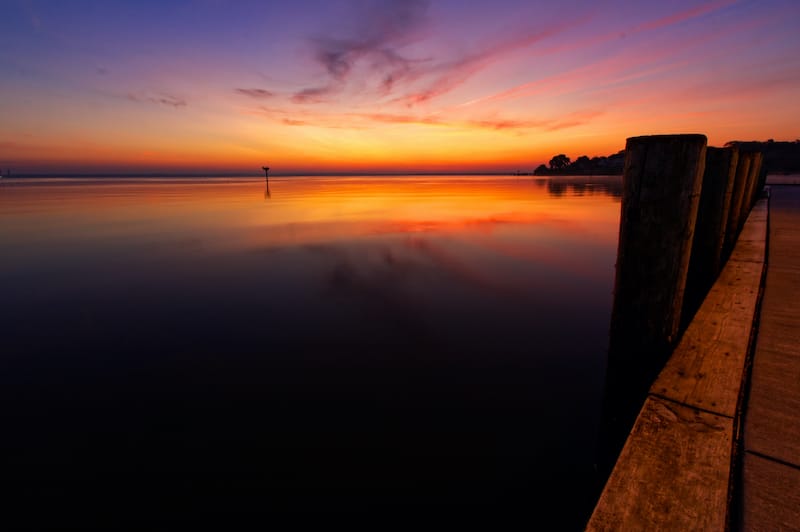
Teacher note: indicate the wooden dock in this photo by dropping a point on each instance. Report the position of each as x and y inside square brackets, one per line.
[770, 488]
[675, 470]
[710, 449]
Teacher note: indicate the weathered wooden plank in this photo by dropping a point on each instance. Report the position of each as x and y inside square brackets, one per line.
[772, 423]
[784, 248]
[779, 333]
[755, 228]
[771, 489]
[782, 296]
[758, 215]
[707, 367]
[787, 253]
[672, 473]
[705, 373]
[760, 208]
[752, 242]
[771, 493]
[746, 250]
[734, 295]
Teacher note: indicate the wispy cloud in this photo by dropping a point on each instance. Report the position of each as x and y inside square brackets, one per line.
[381, 28]
[358, 121]
[293, 122]
[389, 118]
[631, 67]
[314, 94]
[259, 94]
[161, 98]
[449, 75]
[375, 50]
[684, 15]
[565, 122]
[615, 69]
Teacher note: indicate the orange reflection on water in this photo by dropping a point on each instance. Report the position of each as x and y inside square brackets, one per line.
[519, 217]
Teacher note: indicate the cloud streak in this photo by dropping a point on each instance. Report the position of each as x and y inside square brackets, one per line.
[372, 56]
[449, 75]
[160, 98]
[359, 121]
[381, 29]
[258, 94]
[684, 15]
[314, 94]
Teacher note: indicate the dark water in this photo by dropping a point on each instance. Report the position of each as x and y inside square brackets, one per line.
[180, 349]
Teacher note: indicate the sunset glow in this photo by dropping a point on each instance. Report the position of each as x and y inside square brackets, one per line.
[383, 86]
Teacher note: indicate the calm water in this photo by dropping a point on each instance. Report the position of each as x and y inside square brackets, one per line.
[180, 347]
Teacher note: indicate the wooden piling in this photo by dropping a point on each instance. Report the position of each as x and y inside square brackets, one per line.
[661, 192]
[762, 177]
[737, 197]
[753, 179]
[709, 235]
[749, 188]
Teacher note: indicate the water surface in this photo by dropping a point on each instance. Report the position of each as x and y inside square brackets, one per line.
[190, 346]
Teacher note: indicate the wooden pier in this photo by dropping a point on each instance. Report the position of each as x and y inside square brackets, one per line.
[716, 442]
[675, 468]
[770, 484]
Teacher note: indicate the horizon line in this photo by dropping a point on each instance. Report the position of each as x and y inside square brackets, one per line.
[254, 175]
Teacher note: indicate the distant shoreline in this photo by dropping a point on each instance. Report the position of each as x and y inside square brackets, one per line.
[256, 176]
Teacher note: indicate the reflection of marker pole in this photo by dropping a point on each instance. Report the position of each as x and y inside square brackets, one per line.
[266, 172]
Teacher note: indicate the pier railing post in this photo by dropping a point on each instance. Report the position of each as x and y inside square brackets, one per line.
[661, 191]
[709, 234]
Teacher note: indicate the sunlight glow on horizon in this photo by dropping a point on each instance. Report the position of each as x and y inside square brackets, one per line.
[383, 86]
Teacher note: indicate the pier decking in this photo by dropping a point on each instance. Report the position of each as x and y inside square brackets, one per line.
[771, 458]
[711, 450]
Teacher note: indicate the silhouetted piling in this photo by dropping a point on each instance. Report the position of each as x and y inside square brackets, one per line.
[737, 200]
[709, 234]
[661, 192]
[762, 178]
[752, 189]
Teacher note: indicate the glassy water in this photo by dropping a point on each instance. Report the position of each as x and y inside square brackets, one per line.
[180, 347]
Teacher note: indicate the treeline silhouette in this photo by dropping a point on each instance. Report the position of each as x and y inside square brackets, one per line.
[583, 165]
[780, 157]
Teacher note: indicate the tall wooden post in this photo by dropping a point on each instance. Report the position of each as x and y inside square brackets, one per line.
[762, 177]
[752, 189]
[737, 199]
[661, 191]
[709, 234]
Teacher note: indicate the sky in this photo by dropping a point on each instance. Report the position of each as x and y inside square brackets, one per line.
[360, 86]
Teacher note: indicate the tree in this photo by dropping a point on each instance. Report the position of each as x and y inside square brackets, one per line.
[540, 170]
[559, 162]
[582, 166]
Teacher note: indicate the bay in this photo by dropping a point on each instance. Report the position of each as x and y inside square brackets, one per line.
[187, 346]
